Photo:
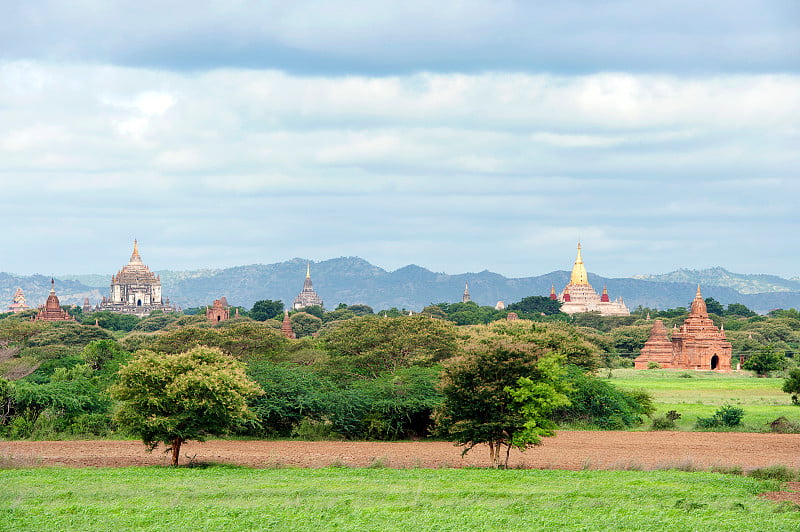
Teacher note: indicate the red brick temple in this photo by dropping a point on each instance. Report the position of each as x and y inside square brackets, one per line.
[219, 311]
[286, 326]
[51, 310]
[697, 344]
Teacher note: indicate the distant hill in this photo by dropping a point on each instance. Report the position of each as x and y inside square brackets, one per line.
[353, 280]
[742, 283]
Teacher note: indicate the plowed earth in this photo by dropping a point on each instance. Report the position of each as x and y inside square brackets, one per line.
[568, 450]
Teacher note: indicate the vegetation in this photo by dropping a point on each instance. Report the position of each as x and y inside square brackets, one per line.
[234, 499]
[172, 398]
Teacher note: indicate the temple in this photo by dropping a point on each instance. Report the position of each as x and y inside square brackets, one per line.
[219, 311]
[579, 296]
[18, 304]
[51, 310]
[286, 327]
[308, 297]
[466, 297]
[698, 344]
[135, 289]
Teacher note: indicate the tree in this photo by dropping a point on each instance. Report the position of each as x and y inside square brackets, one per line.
[314, 310]
[792, 384]
[765, 360]
[737, 309]
[266, 309]
[173, 398]
[714, 307]
[370, 346]
[100, 352]
[535, 306]
[501, 396]
[305, 324]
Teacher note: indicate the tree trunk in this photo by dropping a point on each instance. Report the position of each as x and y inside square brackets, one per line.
[176, 450]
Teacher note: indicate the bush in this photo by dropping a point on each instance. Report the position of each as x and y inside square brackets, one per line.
[653, 365]
[665, 422]
[600, 403]
[784, 426]
[777, 472]
[726, 416]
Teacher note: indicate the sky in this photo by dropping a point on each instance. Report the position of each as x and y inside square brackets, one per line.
[467, 136]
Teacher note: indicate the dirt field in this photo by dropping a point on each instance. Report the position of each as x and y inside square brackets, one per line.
[568, 450]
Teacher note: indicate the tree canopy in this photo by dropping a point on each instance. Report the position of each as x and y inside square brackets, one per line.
[171, 398]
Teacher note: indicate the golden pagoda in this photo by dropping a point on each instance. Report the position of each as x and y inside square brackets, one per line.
[579, 296]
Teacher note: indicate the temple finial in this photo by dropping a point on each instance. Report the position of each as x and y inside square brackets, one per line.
[135, 257]
[308, 270]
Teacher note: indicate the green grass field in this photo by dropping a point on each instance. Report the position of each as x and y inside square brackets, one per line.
[232, 499]
[705, 391]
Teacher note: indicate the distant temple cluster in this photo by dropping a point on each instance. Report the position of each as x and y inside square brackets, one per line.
[579, 296]
[697, 344]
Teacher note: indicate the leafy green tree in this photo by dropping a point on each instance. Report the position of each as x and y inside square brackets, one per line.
[792, 384]
[361, 310]
[714, 307]
[305, 324]
[314, 310]
[266, 309]
[100, 352]
[737, 309]
[177, 397]
[502, 397]
[765, 360]
[113, 321]
[532, 306]
[68, 333]
[369, 346]
[338, 315]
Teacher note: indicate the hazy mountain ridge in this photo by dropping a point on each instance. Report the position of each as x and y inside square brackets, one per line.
[718, 276]
[354, 280]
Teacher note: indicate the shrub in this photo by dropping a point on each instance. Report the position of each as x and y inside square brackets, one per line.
[784, 426]
[725, 416]
[653, 365]
[780, 473]
[665, 422]
[602, 404]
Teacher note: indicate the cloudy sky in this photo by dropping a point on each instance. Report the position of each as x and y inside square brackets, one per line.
[473, 135]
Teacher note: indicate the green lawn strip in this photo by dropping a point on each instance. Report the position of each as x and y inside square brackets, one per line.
[231, 499]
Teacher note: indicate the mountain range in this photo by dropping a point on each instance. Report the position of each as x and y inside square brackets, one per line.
[353, 280]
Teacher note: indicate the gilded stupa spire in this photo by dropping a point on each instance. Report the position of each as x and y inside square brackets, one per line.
[579, 275]
[135, 257]
[308, 270]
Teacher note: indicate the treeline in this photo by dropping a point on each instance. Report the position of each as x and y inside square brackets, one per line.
[368, 377]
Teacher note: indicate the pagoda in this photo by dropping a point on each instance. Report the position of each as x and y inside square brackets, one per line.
[51, 310]
[308, 297]
[286, 326]
[579, 296]
[19, 304]
[697, 344]
[135, 289]
[466, 297]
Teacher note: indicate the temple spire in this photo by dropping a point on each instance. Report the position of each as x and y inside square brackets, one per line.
[135, 257]
[579, 275]
[308, 270]
[466, 297]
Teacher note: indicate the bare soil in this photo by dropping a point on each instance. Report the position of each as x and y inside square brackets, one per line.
[571, 450]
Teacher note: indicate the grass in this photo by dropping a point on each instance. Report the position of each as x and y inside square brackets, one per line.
[701, 394]
[234, 498]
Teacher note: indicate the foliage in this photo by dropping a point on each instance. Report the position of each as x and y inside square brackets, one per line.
[243, 339]
[487, 398]
[628, 340]
[314, 310]
[156, 323]
[68, 333]
[726, 416]
[599, 403]
[172, 398]
[100, 352]
[532, 306]
[360, 310]
[369, 346]
[765, 360]
[792, 384]
[468, 313]
[114, 321]
[266, 309]
[665, 422]
[714, 307]
[305, 324]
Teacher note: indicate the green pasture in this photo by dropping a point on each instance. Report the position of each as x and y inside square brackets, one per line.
[232, 499]
[703, 392]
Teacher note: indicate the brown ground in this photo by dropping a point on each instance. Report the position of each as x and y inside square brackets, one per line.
[568, 450]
